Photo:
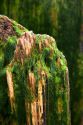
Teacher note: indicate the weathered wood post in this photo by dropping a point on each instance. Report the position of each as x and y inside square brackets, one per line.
[34, 83]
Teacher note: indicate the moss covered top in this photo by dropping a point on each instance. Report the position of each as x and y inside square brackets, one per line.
[11, 31]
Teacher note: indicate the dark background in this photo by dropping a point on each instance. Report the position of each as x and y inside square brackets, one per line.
[61, 19]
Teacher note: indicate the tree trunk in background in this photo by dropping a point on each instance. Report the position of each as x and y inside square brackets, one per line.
[79, 87]
[35, 75]
[69, 35]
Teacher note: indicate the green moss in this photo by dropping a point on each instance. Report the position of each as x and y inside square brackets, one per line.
[1, 59]
[19, 29]
[9, 48]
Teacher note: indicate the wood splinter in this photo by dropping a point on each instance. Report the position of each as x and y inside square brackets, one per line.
[11, 89]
